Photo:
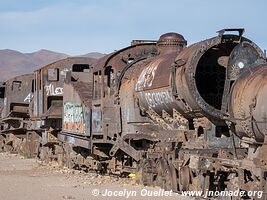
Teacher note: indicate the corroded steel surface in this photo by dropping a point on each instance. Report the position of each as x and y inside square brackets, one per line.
[49, 83]
[77, 108]
[18, 94]
[248, 107]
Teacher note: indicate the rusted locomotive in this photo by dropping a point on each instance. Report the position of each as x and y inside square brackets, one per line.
[247, 109]
[46, 105]
[15, 112]
[180, 117]
[31, 116]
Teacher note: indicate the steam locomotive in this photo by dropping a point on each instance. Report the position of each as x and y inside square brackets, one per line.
[179, 117]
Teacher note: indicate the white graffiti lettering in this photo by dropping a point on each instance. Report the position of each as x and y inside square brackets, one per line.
[147, 76]
[51, 90]
[28, 98]
[158, 98]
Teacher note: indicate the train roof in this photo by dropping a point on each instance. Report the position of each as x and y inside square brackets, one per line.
[105, 61]
[70, 60]
[20, 77]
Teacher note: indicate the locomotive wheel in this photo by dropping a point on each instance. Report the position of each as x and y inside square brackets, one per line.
[8, 145]
[16, 145]
[31, 144]
[12, 143]
[59, 153]
[160, 173]
[184, 178]
[45, 154]
[165, 176]
[199, 181]
[232, 185]
[264, 184]
[147, 172]
[7, 148]
[173, 177]
[138, 173]
[1, 143]
[28, 146]
[67, 156]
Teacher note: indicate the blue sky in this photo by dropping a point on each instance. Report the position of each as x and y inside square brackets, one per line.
[81, 26]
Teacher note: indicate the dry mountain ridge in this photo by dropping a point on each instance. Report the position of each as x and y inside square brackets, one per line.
[14, 63]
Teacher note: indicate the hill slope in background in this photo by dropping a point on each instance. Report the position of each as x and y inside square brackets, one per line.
[95, 55]
[14, 63]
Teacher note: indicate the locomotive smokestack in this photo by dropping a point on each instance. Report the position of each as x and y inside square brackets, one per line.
[171, 42]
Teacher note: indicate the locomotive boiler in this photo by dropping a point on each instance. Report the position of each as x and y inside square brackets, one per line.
[248, 105]
[247, 112]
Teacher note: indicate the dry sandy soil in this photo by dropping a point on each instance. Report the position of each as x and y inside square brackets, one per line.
[28, 179]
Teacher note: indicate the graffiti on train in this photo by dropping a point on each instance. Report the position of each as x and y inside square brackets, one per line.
[28, 99]
[147, 76]
[52, 90]
[158, 98]
[75, 119]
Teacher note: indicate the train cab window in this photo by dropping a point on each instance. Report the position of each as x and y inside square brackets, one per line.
[32, 85]
[109, 81]
[40, 84]
[97, 85]
[2, 92]
[80, 68]
[130, 59]
[16, 85]
[53, 74]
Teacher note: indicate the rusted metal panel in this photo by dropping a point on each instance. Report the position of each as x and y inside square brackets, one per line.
[156, 74]
[75, 140]
[78, 104]
[120, 58]
[248, 103]
[96, 120]
[49, 83]
[76, 119]
[18, 94]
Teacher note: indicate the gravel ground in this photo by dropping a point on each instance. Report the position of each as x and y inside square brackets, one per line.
[28, 179]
